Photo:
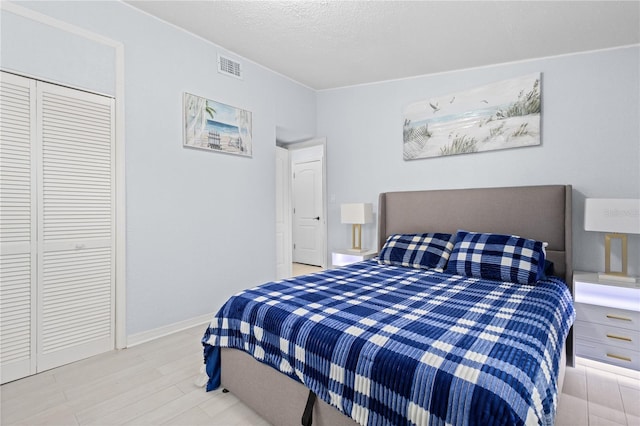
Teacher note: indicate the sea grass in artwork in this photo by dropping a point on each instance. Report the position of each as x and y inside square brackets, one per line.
[460, 145]
[500, 115]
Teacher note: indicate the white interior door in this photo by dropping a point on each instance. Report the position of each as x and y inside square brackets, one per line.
[307, 213]
[76, 225]
[283, 215]
[17, 227]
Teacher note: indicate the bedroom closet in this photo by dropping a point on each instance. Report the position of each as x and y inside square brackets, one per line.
[57, 225]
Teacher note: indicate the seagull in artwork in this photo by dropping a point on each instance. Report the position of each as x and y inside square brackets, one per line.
[452, 99]
[435, 107]
[484, 101]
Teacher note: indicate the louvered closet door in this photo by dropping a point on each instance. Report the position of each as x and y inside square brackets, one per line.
[76, 223]
[17, 227]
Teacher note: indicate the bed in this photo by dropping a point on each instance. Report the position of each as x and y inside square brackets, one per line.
[537, 213]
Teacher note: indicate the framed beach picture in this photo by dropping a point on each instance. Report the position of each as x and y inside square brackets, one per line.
[215, 126]
[500, 115]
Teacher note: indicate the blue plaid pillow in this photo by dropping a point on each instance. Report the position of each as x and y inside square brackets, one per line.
[497, 257]
[424, 251]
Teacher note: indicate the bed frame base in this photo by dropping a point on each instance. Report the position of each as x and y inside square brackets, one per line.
[275, 397]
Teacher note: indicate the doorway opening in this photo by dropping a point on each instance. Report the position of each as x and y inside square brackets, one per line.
[301, 225]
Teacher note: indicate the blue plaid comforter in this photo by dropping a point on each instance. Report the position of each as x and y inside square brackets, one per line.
[395, 345]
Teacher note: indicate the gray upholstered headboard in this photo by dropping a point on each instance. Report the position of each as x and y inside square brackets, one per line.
[541, 213]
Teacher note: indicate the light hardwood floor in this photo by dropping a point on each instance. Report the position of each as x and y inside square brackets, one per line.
[596, 394]
[153, 384]
[302, 269]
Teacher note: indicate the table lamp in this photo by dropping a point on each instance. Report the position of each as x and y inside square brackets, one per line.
[356, 214]
[617, 217]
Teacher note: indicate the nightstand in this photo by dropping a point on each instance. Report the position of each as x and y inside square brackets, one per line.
[347, 257]
[607, 327]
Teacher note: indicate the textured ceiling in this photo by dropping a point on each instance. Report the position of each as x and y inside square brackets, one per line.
[328, 44]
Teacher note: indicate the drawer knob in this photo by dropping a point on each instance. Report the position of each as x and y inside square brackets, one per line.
[618, 317]
[623, 358]
[613, 336]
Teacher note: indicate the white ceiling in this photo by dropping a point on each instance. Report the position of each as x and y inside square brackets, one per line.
[329, 44]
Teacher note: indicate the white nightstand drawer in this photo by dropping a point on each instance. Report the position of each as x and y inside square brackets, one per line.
[609, 354]
[608, 316]
[608, 335]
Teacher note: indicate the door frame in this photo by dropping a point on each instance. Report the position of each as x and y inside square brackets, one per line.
[313, 150]
[285, 191]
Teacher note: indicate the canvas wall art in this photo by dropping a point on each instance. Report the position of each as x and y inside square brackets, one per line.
[215, 126]
[500, 115]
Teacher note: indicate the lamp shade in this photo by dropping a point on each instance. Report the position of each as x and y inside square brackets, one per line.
[357, 213]
[620, 215]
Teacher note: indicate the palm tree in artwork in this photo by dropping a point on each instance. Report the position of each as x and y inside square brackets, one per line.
[210, 111]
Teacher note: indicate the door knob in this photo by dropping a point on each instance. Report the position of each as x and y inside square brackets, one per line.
[316, 218]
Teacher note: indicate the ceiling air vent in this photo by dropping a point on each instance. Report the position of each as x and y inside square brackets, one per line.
[229, 67]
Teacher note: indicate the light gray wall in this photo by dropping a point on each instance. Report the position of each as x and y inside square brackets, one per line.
[200, 225]
[590, 139]
[63, 57]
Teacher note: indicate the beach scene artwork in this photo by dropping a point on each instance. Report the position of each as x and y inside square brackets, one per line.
[215, 126]
[496, 116]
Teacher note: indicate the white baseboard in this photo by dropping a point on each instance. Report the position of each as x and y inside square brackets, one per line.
[156, 333]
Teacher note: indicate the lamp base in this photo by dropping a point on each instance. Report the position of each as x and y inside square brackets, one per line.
[622, 278]
[358, 250]
[356, 241]
[608, 238]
